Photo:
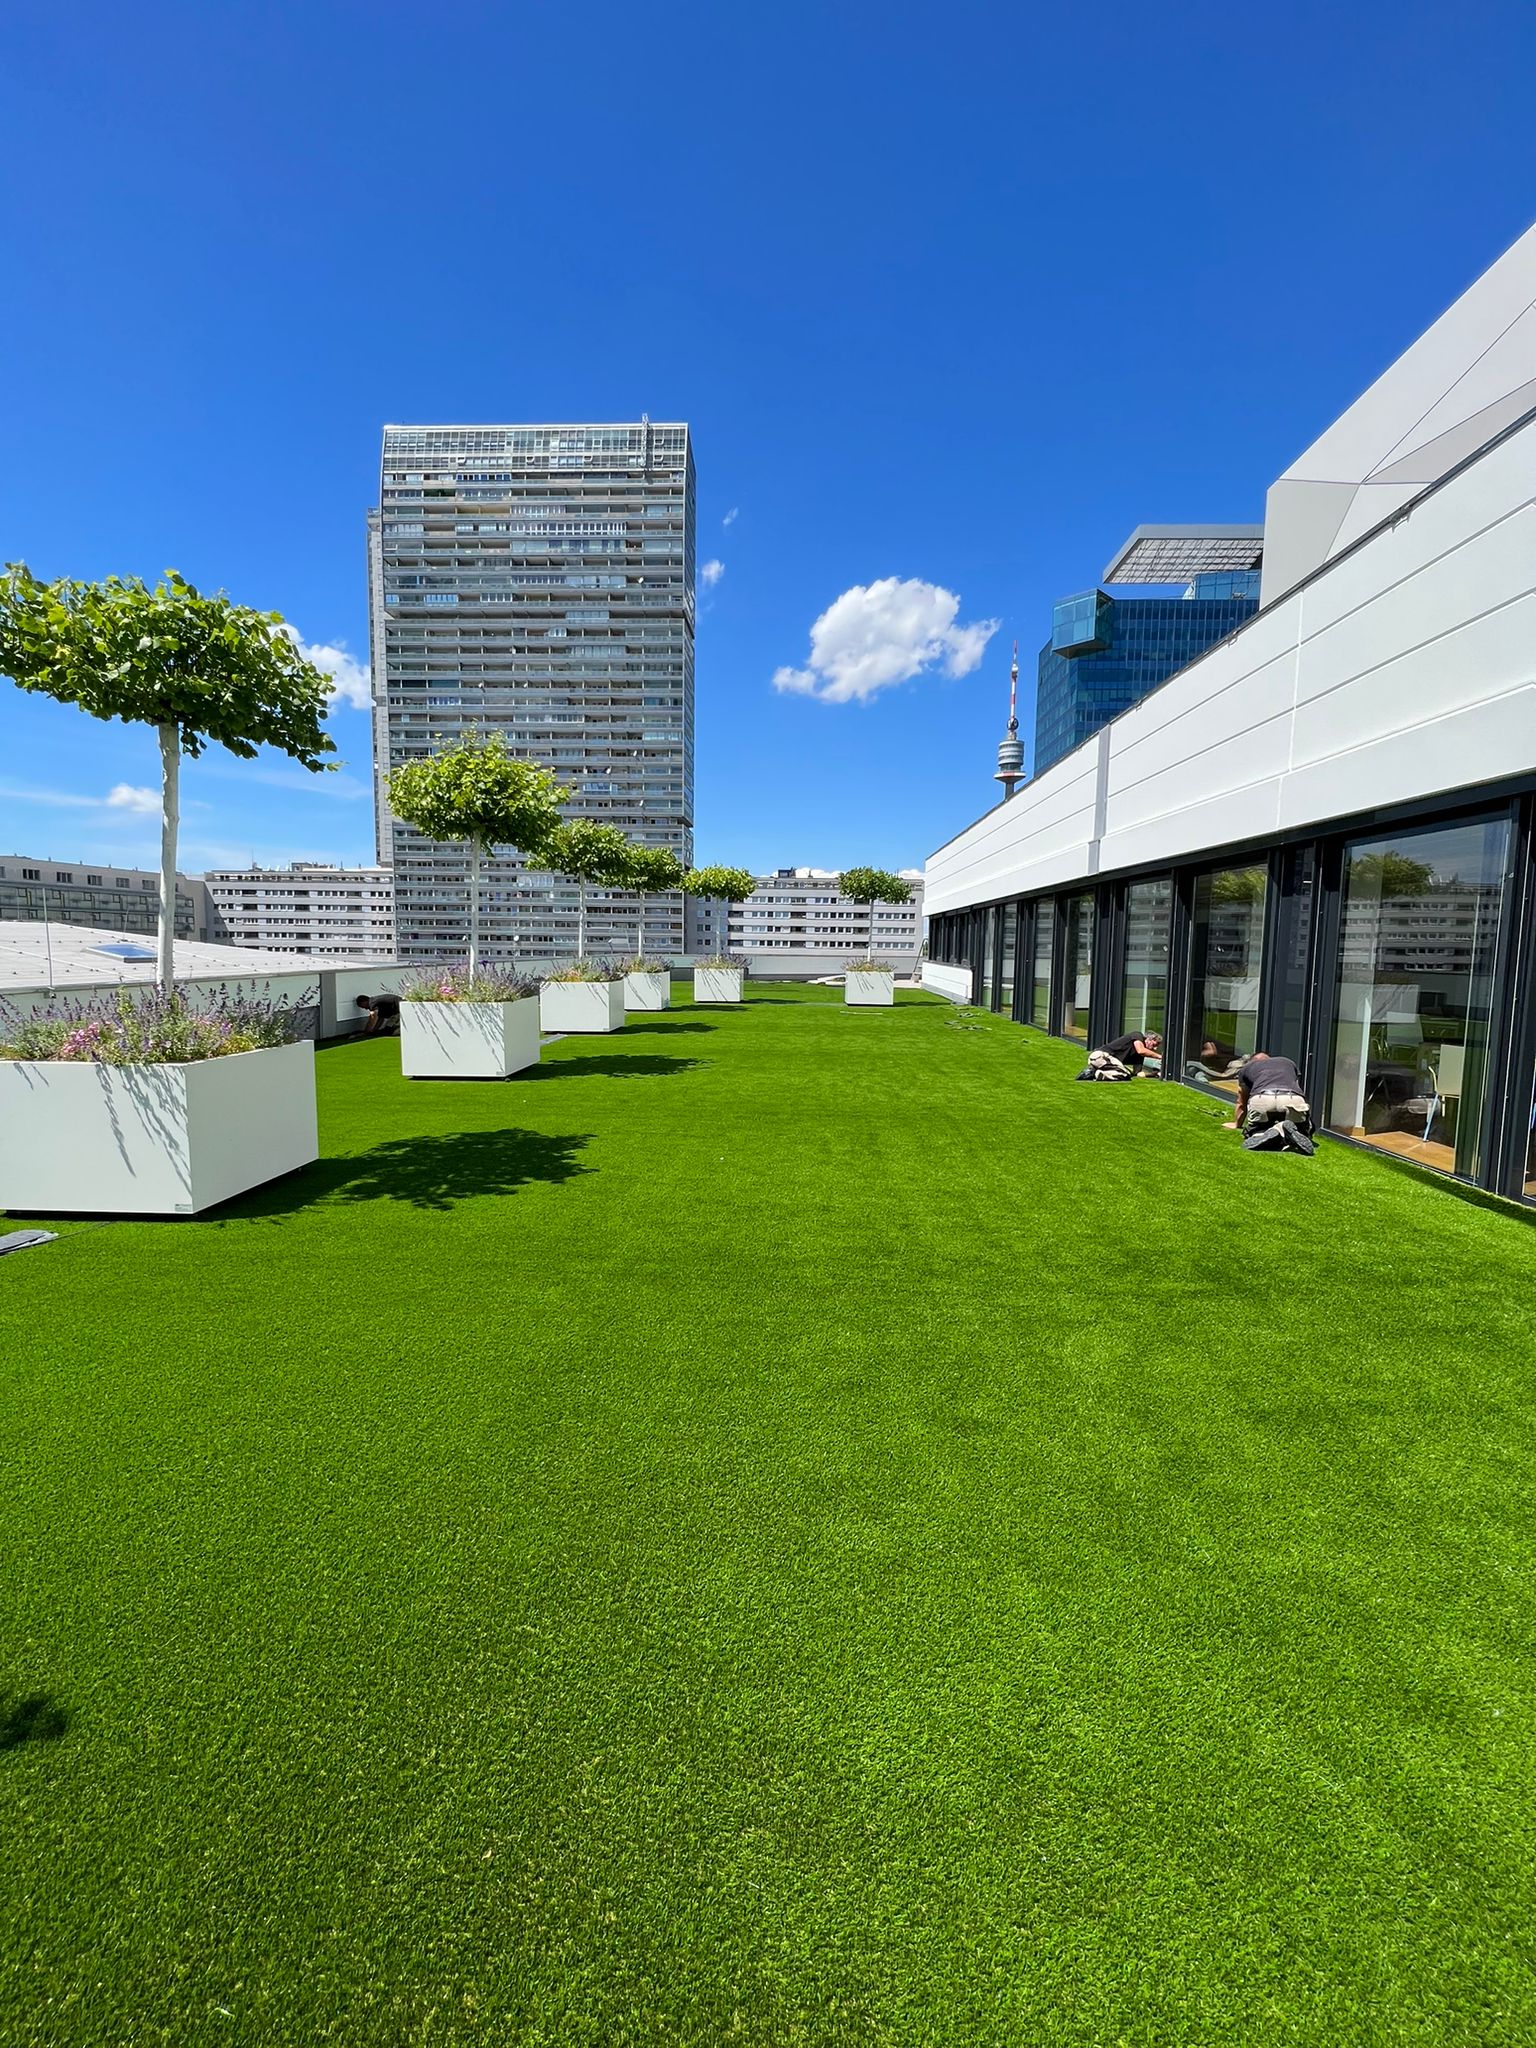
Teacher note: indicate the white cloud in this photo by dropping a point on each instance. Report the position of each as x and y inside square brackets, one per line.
[350, 681]
[734, 513]
[710, 574]
[123, 796]
[886, 632]
[143, 803]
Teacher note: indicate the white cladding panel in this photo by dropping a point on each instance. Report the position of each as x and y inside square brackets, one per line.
[1406, 670]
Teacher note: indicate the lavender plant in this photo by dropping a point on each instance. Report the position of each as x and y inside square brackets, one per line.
[739, 961]
[586, 969]
[157, 1027]
[462, 983]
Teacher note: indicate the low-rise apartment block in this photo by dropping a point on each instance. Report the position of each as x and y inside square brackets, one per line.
[99, 894]
[308, 907]
[795, 922]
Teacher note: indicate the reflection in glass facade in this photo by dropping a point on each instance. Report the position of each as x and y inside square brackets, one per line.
[1144, 1003]
[1226, 953]
[1412, 1007]
[1040, 973]
[1077, 995]
[1124, 647]
[989, 961]
[1005, 978]
[1293, 913]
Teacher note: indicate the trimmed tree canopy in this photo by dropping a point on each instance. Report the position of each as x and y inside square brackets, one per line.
[475, 790]
[590, 852]
[733, 885]
[653, 870]
[196, 668]
[873, 885]
[167, 656]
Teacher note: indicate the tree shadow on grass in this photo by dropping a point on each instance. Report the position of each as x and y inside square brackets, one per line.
[622, 1066]
[637, 1023]
[30, 1717]
[427, 1172]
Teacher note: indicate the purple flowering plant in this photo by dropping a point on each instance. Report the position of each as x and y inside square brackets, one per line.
[157, 1026]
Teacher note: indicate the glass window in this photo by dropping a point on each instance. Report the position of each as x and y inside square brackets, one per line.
[989, 960]
[1040, 973]
[1010, 916]
[1226, 948]
[1078, 993]
[1417, 944]
[1144, 1004]
[1293, 954]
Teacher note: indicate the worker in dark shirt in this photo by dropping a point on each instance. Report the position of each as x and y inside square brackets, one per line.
[1273, 1113]
[1123, 1058]
[383, 1016]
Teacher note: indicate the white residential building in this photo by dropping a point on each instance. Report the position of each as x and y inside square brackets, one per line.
[537, 582]
[795, 922]
[309, 907]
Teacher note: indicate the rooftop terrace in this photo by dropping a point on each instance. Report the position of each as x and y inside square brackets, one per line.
[791, 1524]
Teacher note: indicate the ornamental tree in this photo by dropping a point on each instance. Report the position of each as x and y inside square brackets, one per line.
[476, 793]
[197, 668]
[587, 852]
[720, 885]
[653, 871]
[872, 886]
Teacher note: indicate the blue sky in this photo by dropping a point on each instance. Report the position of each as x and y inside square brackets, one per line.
[951, 294]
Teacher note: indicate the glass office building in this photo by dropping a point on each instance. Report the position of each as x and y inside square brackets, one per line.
[1106, 652]
[537, 582]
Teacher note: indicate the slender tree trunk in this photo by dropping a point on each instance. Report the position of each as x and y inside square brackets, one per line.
[871, 929]
[640, 933]
[170, 817]
[474, 904]
[581, 917]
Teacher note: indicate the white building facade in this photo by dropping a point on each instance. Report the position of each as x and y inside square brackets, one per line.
[308, 907]
[795, 922]
[1318, 837]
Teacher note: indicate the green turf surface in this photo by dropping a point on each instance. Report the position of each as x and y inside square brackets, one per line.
[789, 1525]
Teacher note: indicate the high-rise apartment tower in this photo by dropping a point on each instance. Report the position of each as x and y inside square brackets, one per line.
[536, 581]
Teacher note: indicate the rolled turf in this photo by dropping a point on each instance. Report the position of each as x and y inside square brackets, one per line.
[789, 1525]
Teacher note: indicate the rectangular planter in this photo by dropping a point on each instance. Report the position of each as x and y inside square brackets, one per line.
[468, 1041]
[717, 984]
[582, 1005]
[647, 991]
[166, 1140]
[870, 989]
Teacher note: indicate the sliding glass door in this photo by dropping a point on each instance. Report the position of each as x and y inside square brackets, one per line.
[1144, 989]
[1039, 1011]
[1009, 950]
[1077, 994]
[1226, 953]
[1413, 996]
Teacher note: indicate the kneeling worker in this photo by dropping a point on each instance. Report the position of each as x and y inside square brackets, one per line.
[1123, 1058]
[1272, 1112]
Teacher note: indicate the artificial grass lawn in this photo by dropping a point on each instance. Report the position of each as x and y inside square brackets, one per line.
[791, 1524]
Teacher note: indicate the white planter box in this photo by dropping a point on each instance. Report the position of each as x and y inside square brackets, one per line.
[870, 988]
[468, 1041]
[153, 1140]
[582, 1005]
[647, 991]
[717, 984]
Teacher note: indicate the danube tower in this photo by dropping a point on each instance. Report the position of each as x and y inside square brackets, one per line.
[537, 582]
